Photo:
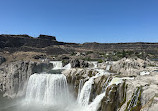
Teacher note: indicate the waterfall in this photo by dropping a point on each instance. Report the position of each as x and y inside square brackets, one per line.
[94, 63]
[106, 84]
[84, 95]
[57, 64]
[108, 67]
[68, 66]
[52, 90]
[135, 98]
[47, 88]
[80, 87]
[96, 103]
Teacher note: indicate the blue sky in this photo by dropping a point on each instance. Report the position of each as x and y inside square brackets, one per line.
[81, 21]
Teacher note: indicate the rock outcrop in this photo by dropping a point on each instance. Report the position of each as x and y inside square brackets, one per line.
[137, 93]
[74, 76]
[75, 63]
[52, 38]
[131, 66]
[115, 95]
[138, 46]
[17, 41]
[14, 76]
[2, 59]
[148, 96]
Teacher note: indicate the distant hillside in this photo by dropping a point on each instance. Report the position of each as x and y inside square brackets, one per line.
[138, 46]
[50, 45]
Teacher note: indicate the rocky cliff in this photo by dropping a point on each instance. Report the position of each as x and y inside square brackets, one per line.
[138, 46]
[14, 43]
[14, 76]
[123, 91]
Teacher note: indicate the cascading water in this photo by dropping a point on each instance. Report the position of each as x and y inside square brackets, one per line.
[84, 95]
[108, 67]
[52, 90]
[49, 92]
[96, 103]
[57, 64]
[135, 98]
[68, 66]
[94, 64]
[48, 88]
[80, 87]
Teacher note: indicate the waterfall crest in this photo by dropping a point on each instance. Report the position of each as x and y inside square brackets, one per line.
[59, 65]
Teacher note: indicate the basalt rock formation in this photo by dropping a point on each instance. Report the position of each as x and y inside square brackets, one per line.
[115, 94]
[14, 43]
[138, 46]
[75, 63]
[123, 91]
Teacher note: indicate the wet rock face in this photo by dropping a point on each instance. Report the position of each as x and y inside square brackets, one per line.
[13, 76]
[75, 63]
[2, 59]
[115, 94]
[74, 76]
[115, 97]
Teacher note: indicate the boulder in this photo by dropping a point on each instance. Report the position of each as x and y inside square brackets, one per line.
[75, 63]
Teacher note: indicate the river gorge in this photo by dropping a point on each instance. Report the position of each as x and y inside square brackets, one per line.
[98, 87]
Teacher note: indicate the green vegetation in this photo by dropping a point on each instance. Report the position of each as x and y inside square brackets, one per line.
[100, 61]
[89, 52]
[114, 55]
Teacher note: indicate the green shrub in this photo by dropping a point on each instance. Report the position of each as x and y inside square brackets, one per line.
[100, 61]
